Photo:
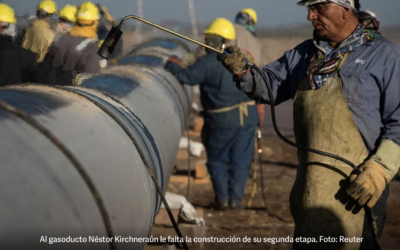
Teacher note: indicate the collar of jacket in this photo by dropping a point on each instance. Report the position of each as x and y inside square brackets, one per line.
[6, 38]
[85, 31]
[353, 41]
[40, 24]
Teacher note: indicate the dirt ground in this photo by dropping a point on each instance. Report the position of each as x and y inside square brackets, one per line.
[279, 164]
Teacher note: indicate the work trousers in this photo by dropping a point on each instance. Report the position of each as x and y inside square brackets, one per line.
[229, 154]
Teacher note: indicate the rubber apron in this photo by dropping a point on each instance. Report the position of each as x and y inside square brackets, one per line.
[318, 200]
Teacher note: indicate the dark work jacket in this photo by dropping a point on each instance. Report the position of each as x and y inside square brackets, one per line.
[17, 65]
[216, 90]
[69, 56]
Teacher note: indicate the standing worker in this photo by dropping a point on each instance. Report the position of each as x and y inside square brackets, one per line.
[66, 21]
[230, 118]
[73, 57]
[245, 22]
[38, 36]
[346, 91]
[17, 65]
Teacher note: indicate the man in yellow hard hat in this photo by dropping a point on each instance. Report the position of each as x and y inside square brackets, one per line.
[230, 117]
[245, 22]
[74, 55]
[67, 18]
[39, 36]
[17, 65]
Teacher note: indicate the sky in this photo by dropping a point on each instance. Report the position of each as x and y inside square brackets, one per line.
[271, 13]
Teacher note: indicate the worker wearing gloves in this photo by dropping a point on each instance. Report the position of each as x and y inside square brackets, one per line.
[73, 57]
[345, 89]
[17, 65]
[245, 22]
[39, 36]
[230, 118]
[66, 21]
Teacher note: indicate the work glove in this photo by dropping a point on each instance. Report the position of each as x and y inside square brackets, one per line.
[174, 59]
[367, 187]
[235, 62]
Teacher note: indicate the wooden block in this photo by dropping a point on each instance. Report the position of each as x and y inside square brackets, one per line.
[198, 124]
[184, 180]
[162, 217]
[179, 179]
[182, 154]
[202, 181]
[201, 170]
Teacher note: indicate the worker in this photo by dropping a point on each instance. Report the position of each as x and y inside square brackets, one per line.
[17, 65]
[66, 21]
[230, 118]
[245, 22]
[345, 86]
[73, 57]
[38, 37]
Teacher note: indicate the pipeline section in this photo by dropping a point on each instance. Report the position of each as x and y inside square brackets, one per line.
[72, 158]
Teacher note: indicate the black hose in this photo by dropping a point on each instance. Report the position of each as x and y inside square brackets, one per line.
[264, 197]
[368, 210]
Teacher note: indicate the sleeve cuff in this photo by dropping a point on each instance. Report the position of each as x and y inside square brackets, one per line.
[388, 156]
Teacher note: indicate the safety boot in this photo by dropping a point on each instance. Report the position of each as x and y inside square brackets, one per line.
[221, 204]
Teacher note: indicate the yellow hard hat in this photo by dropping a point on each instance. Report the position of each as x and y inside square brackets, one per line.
[87, 11]
[47, 6]
[68, 13]
[252, 13]
[7, 14]
[221, 27]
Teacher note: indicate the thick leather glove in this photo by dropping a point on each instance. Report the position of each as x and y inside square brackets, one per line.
[235, 62]
[175, 59]
[171, 61]
[368, 186]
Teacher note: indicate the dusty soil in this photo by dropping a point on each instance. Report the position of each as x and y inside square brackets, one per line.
[279, 164]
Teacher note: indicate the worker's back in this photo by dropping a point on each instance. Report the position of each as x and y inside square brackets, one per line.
[245, 39]
[218, 91]
[38, 38]
[71, 55]
[17, 65]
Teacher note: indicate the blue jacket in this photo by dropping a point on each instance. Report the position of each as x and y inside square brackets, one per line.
[371, 85]
[216, 90]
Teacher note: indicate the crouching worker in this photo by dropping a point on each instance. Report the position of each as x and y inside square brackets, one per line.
[73, 55]
[230, 117]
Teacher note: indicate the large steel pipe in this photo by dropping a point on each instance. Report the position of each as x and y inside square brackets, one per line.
[73, 159]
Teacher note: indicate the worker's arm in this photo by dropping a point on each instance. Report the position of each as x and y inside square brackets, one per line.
[384, 162]
[388, 152]
[284, 75]
[192, 75]
[90, 63]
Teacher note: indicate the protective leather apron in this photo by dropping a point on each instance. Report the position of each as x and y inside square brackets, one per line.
[318, 200]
